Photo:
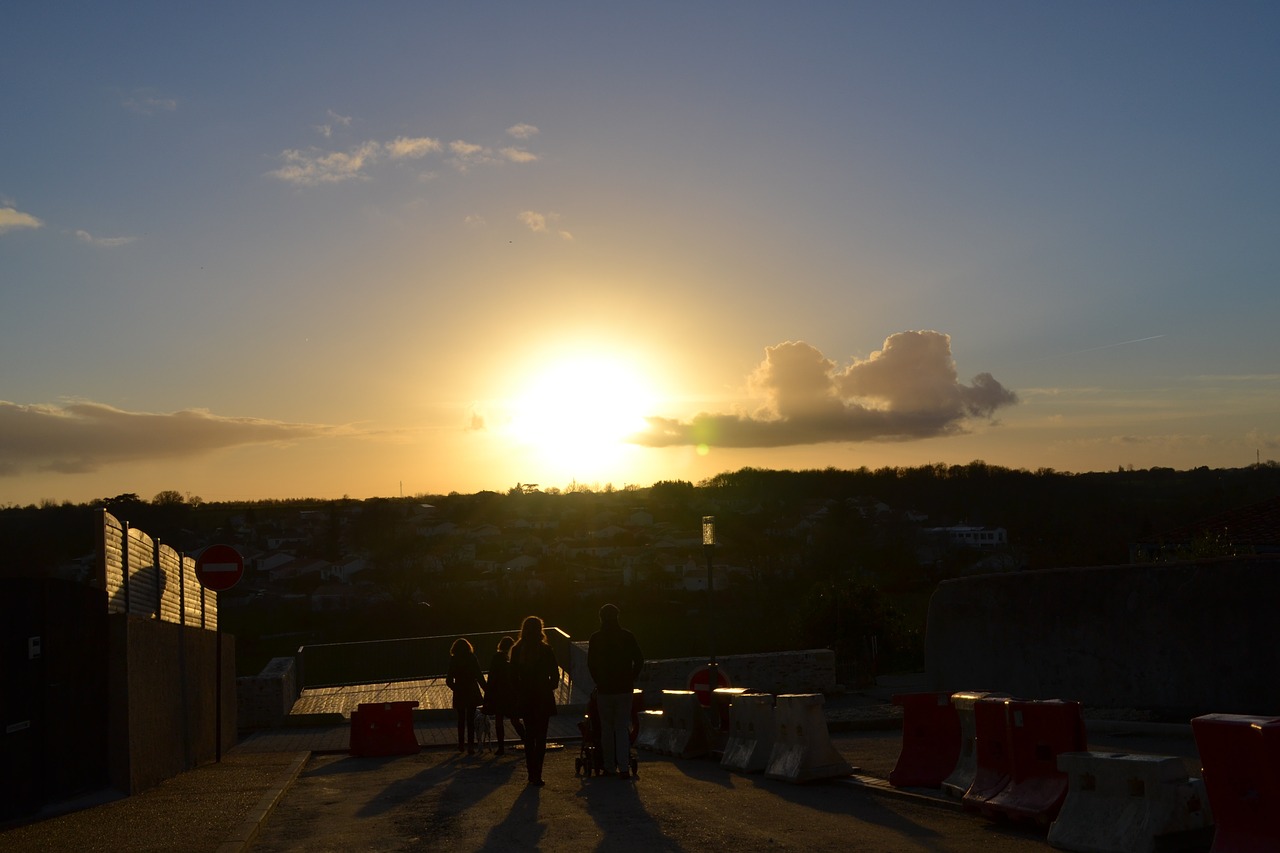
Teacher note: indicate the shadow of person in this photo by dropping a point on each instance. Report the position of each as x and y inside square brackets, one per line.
[624, 822]
[520, 829]
[140, 595]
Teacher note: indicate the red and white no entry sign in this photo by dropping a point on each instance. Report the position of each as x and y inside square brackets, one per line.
[219, 567]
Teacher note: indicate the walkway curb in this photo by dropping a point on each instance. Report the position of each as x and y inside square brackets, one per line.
[243, 835]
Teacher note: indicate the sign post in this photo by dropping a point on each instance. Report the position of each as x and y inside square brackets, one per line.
[218, 568]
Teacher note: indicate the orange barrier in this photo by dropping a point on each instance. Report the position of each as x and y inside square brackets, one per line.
[966, 764]
[1035, 734]
[750, 740]
[1129, 804]
[802, 749]
[930, 740]
[383, 728]
[1240, 756]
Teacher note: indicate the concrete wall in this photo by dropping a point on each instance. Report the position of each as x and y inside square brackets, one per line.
[1179, 639]
[264, 700]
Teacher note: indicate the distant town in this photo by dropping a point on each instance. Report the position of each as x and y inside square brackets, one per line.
[831, 558]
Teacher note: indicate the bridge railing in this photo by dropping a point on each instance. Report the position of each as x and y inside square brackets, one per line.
[400, 659]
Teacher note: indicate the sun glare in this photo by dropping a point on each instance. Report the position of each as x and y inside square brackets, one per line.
[576, 413]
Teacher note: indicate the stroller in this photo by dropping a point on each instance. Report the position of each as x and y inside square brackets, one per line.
[590, 760]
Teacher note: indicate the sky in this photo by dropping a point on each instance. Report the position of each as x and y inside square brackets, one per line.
[322, 249]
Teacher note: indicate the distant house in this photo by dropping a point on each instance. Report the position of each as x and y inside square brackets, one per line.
[984, 538]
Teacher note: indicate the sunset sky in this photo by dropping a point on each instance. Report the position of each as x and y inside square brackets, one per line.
[273, 250]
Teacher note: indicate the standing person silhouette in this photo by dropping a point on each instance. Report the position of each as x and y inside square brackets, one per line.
[533, 664]
[615, 661]
[500, 698]
[466, 681]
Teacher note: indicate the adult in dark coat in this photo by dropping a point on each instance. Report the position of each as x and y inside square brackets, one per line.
[533, 663]
[466, 681]
[500, 698]
[614, 661]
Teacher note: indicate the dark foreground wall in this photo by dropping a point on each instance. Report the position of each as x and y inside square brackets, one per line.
[1180, 639]
[163, 687]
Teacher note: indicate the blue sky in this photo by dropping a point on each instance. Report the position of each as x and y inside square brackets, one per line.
[274, 250]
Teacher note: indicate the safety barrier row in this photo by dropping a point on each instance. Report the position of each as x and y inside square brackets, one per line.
[1240, 758]
[383, 728]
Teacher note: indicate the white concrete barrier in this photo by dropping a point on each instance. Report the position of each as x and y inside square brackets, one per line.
[802, 749]
[750, 742]
[685, 734]
[967, 764]
[1121, 803]
[652, 724]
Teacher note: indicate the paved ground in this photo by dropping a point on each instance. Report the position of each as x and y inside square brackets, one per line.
[295, 788]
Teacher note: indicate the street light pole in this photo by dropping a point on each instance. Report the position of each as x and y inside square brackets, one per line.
[709, 546]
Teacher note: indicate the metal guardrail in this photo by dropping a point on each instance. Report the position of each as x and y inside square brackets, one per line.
[401, 659]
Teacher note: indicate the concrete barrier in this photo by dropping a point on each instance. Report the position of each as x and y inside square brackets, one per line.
[961, 776]
[685, 734]
[1121, 803]
[652, 724]
[265, 700]
[750, 741]
[802, 749]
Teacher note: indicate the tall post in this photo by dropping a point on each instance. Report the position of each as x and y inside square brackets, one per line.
[709, 546]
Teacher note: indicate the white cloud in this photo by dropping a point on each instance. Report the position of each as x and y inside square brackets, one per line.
[326, 129]
[10, 219]
[85, 436]
[907, 390]
[535, 222]
[519, 155]
[522, 131]
[543, 223]
[474, 220]
[147, 102]
[104, 242]
[314, 167]
[412, 148]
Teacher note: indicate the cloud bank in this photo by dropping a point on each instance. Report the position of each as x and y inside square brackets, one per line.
[84, 436]
[907, 390]
[315, 166]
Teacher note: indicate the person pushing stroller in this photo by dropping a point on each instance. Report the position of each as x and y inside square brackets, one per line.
[614, 661]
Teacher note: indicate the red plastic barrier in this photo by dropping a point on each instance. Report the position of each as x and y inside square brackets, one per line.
[993, 753]
[930, 740]
[1240, 759]
[383, 728]
[1038, 733]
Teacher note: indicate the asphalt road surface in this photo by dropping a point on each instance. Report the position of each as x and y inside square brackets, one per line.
[439, 800]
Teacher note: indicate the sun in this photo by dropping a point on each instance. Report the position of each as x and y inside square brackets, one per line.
[577, 412]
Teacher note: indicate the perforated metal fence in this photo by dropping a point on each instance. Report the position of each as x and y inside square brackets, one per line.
[144, 577]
